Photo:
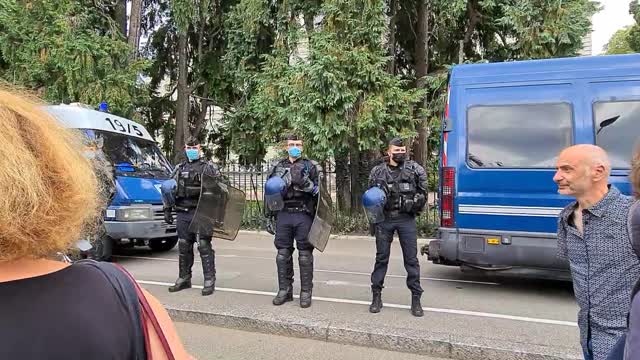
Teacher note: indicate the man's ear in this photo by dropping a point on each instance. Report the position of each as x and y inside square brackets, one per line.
[599, 172]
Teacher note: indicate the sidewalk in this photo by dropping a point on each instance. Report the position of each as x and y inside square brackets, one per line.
[438, 334]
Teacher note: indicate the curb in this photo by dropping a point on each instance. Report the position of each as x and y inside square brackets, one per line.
[394, 339]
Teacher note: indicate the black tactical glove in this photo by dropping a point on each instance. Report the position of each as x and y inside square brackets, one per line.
[168, 217]
[372, 229]
[269, 226]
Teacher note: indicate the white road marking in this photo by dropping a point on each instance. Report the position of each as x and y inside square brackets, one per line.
[318, 270]
[396, 306]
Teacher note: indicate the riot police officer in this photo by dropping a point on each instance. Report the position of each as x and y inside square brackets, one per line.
[187, 178]
[291, 194]
[398, 190]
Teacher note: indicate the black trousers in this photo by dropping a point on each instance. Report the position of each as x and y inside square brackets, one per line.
[405, 226]
[185, 247]
[292, 226]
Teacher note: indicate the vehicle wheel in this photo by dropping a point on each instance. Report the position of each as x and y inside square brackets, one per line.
[103, 250]
[163, 244]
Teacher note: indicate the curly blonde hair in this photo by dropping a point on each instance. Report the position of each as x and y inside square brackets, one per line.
[635, 172]
[49, 190]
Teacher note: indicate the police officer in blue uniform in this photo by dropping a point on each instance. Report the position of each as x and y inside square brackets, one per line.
[397, 193]
[291, 195]
[188, 176]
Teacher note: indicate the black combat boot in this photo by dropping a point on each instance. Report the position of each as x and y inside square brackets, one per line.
[207, 255]
[284, 263]
[185, 262]
[416, 307]
[376, 303]
[305, 260]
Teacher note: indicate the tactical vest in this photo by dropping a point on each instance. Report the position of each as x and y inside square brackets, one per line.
[298, 174]
[189, 184]
[401, 190]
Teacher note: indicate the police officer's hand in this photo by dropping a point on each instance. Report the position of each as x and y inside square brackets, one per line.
[269, 227]
[168, 218]
[372, 229]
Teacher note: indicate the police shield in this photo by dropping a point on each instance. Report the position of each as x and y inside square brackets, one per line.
[220, 209]
[322, 222]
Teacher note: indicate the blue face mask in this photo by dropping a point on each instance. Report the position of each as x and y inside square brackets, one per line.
[193, 154]
[295, 152]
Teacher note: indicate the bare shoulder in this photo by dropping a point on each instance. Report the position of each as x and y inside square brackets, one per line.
[169, 330]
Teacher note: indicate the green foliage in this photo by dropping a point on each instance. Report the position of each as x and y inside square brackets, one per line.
[545, 28]
[619, 42]
[342, 92]
[71, 51]
[634, 32]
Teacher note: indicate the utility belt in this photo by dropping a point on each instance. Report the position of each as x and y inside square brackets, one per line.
[394, 214]
[406, 204]
[186, 204]
[295, 206]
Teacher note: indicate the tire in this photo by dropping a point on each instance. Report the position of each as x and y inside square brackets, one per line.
[163, 244]
[103, 250]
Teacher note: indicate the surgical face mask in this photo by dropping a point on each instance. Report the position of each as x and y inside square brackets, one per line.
[399, 157]
[295, 152]
[193, 154]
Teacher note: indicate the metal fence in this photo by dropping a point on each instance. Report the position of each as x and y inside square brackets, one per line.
[251, 180]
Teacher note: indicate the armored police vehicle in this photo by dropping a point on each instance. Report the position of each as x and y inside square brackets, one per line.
[135, 214]
[503, 128]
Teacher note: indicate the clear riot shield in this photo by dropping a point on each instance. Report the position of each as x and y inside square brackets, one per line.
[220, 210]
[322, 222]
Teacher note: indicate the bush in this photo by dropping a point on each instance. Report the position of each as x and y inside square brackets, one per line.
[345, 224]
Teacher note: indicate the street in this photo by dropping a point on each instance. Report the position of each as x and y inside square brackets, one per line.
[516, 308]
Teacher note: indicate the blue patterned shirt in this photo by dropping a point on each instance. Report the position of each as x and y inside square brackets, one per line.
[604, 268]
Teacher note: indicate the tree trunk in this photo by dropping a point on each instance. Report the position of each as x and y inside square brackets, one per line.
[134, 27]
[354, 172]
[182, 105]
[422, 68]
[393, 20]
[343, 183]
[473, 19]
[121, 16]
[308, 22]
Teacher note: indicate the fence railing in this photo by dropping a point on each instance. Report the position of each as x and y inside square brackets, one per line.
[251, 180]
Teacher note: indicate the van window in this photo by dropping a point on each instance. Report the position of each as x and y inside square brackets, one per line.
[518, 136]
[617, 126]
[142, 155]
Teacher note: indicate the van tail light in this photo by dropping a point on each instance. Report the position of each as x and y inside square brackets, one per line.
[447, 191]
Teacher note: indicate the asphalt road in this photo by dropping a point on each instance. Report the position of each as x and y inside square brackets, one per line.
[523, 304]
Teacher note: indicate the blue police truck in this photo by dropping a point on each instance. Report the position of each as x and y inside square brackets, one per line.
[134, 216]
[503, 128]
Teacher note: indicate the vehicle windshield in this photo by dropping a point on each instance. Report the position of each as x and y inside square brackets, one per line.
[133, 156]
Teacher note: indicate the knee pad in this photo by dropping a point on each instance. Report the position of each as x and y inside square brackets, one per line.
[184, 244]
[284, 254]
[204, 245]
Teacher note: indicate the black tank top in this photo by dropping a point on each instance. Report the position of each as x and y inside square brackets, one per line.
[74, 313]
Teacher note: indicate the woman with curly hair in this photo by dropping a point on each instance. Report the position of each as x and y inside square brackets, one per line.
[50, 309]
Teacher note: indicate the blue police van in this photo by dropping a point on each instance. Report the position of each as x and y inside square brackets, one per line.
[134, 216]
[503, 128]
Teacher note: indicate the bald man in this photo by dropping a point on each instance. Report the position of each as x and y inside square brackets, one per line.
[593, 236]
